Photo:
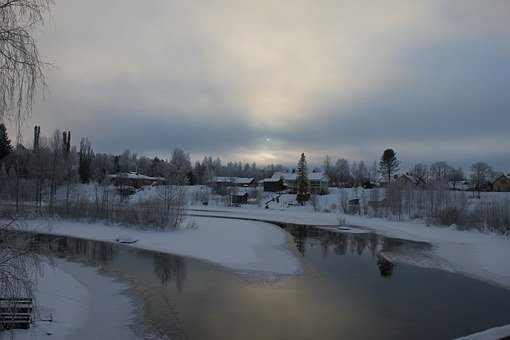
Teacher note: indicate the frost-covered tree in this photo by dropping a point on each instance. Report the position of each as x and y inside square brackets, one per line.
[330, 171]
[362, 172]
[480, 173]
[421, 171]
[456, 175]
[373, 173]
[343, 171]
[389, 164]
[440, 172]
[180, 166]
[302, 183]
[86, 155]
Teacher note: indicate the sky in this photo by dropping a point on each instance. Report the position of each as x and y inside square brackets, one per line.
[266, 80]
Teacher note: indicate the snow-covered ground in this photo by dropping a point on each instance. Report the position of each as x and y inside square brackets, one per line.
[78, 301]
[496, 333]
[240, 245]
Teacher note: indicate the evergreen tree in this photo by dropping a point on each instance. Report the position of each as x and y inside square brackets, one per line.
[37, 135]
[5, 143]
[389, 164]
[302, 184]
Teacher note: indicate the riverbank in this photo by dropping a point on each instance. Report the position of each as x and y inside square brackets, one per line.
[73, 302]
[480, 255]
[223, 240]
[238, 245]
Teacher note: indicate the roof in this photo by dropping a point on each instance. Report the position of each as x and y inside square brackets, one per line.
[291, 176]
[134, 175]
[235, 180]
[409, 178]
[270, 180]
[501, 177]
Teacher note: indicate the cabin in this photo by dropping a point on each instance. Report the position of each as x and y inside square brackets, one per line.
[222, 185]
[134, 180]
[273, 184]
[238, 199]
[410, 180]
[502, 183]
[319, 182]
[459, 185]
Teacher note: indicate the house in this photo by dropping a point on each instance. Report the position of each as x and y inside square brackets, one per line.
[234, 181]
[238, 199]
[222, 185]
[407, 179]
[273, 184]
[319, 182]
[459, 185]
[134, 180]
[502, 183]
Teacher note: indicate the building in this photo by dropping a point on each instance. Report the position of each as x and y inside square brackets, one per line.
[319, 182]
[502, 183]
[273, 184]
[222, 185]
[407, 179]
[134, 179]
[460, 185]
[238, 199]
[235, 181]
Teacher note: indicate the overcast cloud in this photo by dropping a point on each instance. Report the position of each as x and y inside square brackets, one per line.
[264, 80]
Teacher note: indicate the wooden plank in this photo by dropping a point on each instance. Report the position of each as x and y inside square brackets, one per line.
[16, 313]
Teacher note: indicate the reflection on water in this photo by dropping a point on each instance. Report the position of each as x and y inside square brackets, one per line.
[348, 291]
[170, 268]
[341, 244]
[385, 267]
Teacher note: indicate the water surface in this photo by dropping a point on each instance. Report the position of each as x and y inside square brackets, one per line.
[346, 292]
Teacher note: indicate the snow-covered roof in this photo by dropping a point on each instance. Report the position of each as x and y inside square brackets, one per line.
[235, 180]
[291, 176]
[269, 180]
[134, 175]
[501, 177]
[410, 178]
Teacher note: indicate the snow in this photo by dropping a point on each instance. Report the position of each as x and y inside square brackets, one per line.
[495, 333]
[134, 175]
[235, 180]
[236, 244]
[78, 300]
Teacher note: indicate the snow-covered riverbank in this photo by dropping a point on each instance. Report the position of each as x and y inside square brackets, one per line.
[78, 301]
[236, 244]
[480, 255]
[252, 245]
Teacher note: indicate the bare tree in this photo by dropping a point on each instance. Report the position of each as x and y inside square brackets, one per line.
[480, 173]
[21, 69]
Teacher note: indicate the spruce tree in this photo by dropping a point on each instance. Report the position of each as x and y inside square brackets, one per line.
[5, 143]
[302, 184]
[389, 164]
[37, 135]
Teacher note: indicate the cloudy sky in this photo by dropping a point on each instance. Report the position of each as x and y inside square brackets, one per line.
[265, 80]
